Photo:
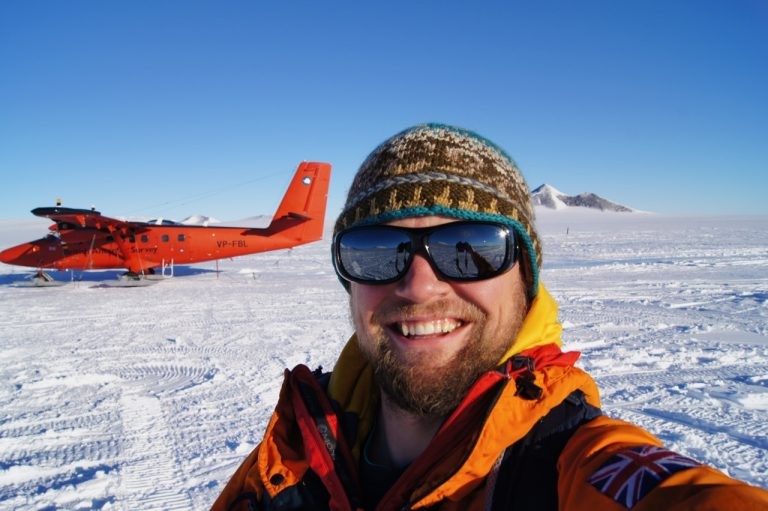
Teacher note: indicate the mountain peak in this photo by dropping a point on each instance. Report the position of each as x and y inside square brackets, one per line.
[550, 197]
[199, 220]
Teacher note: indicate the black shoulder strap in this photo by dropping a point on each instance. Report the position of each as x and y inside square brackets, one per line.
[527, 477]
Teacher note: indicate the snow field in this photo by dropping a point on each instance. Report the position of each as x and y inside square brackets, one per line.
[149, 398]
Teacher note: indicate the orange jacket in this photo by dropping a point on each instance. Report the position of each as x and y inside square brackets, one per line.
[308, 457]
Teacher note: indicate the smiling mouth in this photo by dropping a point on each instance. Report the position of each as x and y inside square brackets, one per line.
[413, 329]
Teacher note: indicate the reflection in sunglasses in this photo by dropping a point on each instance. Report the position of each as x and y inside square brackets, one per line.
[482, 265]
[463, 251]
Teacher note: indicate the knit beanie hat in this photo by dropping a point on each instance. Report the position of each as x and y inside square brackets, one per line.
[434, 169]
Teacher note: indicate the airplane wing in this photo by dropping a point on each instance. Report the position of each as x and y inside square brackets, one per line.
[74, 218]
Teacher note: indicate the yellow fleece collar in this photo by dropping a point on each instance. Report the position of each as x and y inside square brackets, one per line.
[539, 327]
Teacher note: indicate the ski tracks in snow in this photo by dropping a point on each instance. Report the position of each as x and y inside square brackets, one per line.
[675, 332]
[150, 473]
[150, 398]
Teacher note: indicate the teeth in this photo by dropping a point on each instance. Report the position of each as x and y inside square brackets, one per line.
[440, 326]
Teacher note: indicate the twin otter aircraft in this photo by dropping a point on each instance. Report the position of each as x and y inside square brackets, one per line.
[84, 239]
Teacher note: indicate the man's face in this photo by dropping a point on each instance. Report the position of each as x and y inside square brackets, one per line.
[429, 339]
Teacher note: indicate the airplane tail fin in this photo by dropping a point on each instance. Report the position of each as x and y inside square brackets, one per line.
[301, 213]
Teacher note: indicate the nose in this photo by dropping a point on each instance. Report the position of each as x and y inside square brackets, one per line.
[420, 284]
[13, 255]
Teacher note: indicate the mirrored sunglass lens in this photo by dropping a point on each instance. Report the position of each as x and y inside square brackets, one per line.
[375, 254]
[469, 251]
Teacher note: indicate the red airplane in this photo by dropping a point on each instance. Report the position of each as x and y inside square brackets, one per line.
[84, 239]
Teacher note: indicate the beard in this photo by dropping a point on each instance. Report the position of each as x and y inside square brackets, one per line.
[417, 384]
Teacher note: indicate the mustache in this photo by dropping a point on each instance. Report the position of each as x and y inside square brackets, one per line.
[403, 311]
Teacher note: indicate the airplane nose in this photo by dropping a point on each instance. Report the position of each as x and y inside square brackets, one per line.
[14, 254]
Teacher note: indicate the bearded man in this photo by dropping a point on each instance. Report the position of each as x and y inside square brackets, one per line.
[453, 393]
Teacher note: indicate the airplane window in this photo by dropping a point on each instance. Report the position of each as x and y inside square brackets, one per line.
[144, 238]
[181, 237]
[165, 237]
[132, 238]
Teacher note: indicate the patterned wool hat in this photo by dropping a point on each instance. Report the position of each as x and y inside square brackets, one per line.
[434, 169]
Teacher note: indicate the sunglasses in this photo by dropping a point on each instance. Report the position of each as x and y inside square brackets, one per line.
[458, 251]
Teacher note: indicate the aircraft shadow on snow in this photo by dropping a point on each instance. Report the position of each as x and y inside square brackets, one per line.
[92, 277]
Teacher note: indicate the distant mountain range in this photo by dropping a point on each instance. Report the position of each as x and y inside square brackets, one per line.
[550, 197]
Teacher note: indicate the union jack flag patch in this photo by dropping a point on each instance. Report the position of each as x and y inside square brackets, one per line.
[631, 474]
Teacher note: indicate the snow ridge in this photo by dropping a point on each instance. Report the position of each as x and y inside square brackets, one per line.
[550, 197]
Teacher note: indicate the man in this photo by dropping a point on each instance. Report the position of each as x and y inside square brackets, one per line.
[453, 393]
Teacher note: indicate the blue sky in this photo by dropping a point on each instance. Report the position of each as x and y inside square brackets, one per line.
[172, 108]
